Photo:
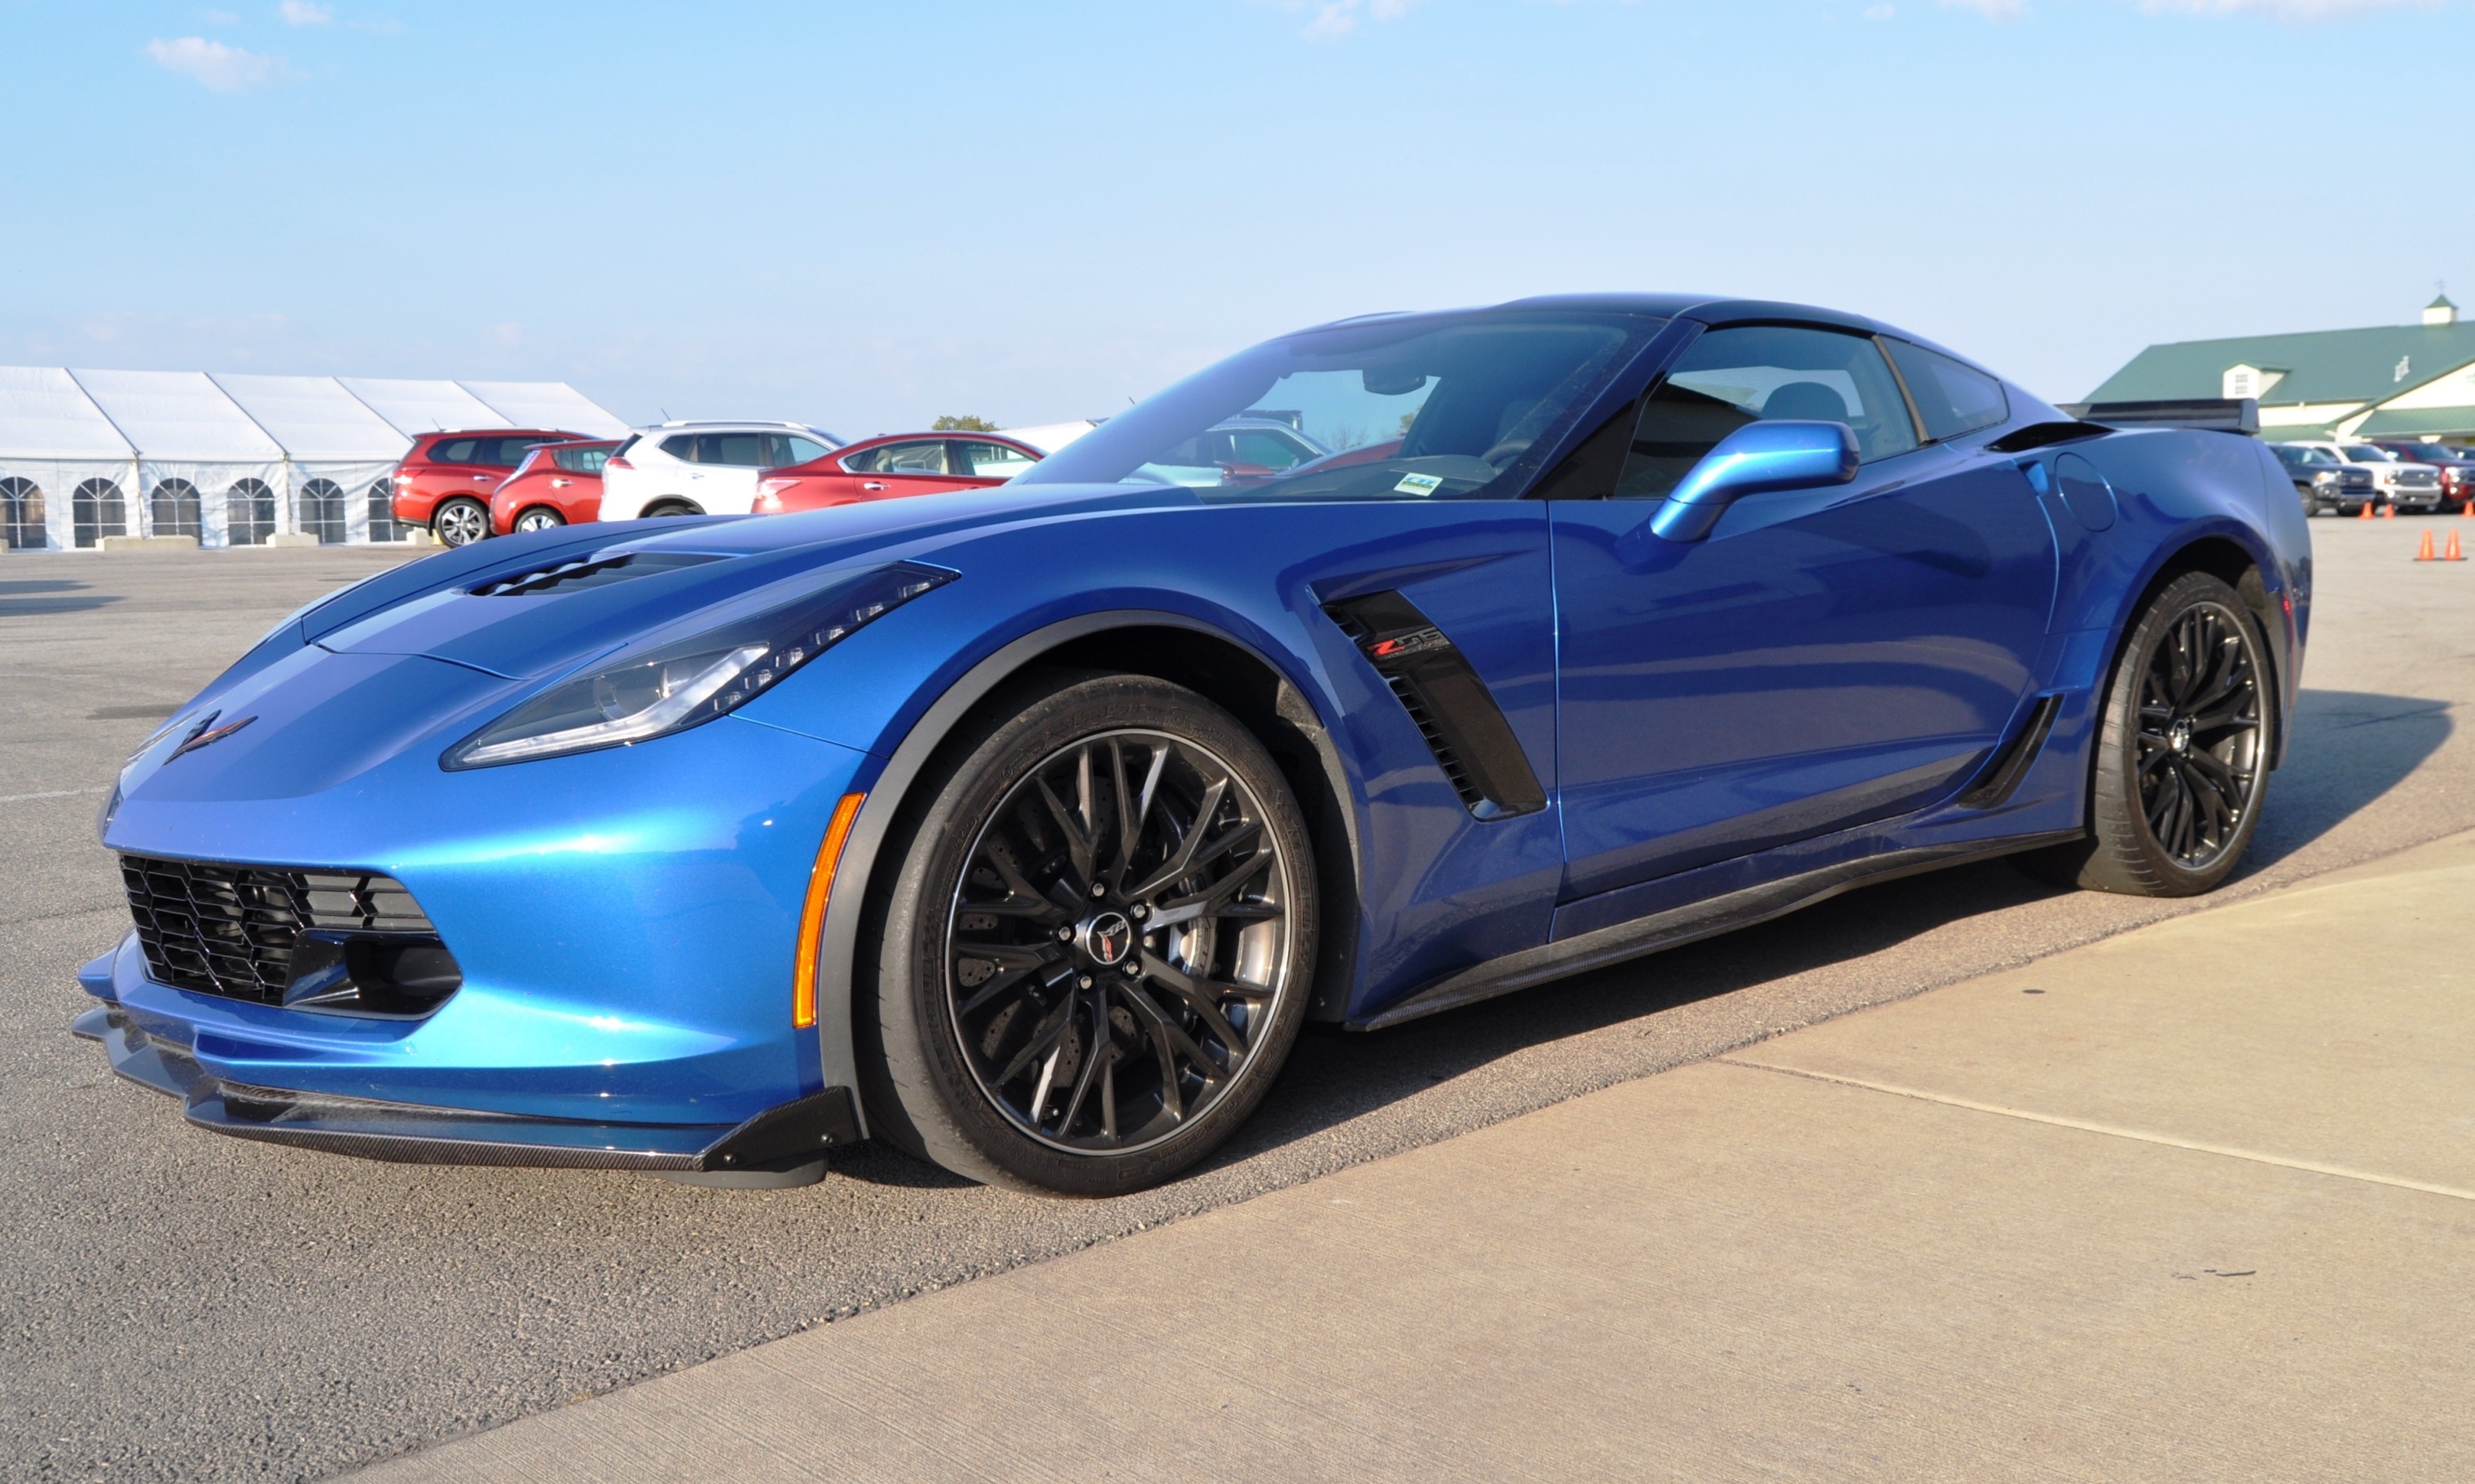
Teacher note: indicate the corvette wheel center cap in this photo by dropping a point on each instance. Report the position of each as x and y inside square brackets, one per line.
[1107, 937]
[2179, 736]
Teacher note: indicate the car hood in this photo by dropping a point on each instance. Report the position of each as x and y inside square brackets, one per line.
[538, 607]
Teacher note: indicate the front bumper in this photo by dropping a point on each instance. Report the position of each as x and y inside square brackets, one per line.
[782, 1145]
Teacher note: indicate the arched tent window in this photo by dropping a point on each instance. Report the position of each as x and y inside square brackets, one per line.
[322, 510]
[174, 506]
[96, 510]
[382, 527]
[249, 513]
[21, 513]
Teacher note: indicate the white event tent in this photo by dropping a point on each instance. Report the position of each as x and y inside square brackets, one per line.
[232, 459]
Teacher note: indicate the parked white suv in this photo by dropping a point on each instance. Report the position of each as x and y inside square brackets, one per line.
[2405, 486]
[702, 467]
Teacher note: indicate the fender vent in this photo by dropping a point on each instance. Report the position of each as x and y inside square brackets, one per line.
[2010, 763]
[1446, 700]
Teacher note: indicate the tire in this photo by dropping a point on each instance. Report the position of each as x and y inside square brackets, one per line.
[1144, 1072]
[460, 521]
[2182, 752]
[662, 509]
[540, 518]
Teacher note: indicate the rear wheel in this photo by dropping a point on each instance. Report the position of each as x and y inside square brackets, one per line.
[1094, 954]
[540, 518]
[661, 508]
[460, 521]
[2182, 752]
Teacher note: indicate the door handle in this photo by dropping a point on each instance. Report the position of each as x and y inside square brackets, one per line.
[484, 478]
[558, 484]
[871, 484]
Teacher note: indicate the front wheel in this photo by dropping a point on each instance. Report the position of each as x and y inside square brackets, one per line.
[1094, 954]
[2182, 752]
[539, 519]
[460, 521]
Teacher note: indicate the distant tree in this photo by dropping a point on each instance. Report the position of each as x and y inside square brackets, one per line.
[962, 425]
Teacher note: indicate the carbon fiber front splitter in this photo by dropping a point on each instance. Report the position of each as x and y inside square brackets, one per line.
[781, 1146]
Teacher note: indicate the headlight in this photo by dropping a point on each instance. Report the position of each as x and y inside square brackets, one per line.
[681, 685]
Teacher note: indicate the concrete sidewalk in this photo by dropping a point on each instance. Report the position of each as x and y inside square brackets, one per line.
[2194, 1202]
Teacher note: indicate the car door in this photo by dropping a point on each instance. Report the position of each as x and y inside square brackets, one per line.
[723, 480]
[1822, 657]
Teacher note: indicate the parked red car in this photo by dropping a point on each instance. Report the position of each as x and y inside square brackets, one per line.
[893, 465]
[557, 484]
[446, 481]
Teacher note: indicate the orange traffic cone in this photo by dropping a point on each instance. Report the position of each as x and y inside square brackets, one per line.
[2389, 512]
[2423, 553]
[2467, 509]
[2450, 552]
[2366, 512]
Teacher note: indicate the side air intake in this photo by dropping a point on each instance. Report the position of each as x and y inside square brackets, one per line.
[1453, 711]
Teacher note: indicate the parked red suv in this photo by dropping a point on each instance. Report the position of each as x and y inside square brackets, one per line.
[893, 465]
[446, 481]
[557, 484]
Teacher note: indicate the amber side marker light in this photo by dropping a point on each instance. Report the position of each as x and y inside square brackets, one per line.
[811, 921]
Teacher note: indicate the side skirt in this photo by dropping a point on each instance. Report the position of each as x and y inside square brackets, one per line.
[1680, 925]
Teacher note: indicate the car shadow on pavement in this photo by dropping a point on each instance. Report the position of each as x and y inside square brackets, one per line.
[2349, 748]
[34, 597]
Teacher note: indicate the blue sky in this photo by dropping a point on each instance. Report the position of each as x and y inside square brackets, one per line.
[864, 215]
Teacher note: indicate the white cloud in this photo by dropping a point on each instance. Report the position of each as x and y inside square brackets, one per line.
[2284, 10]
[1877, 13]
[1338, 18]
[304, 12]
[226, 70]
[1992, 10]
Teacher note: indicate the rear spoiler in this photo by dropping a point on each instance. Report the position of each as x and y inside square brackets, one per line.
[2218, 414]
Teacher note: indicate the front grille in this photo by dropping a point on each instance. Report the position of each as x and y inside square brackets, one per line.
[230, 930]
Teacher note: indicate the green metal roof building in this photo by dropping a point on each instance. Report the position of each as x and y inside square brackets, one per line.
[2386, 381]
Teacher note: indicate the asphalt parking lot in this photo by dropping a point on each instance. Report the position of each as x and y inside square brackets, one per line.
[177, 1306]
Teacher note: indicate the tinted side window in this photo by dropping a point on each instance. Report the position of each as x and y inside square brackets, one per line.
[989, 460]
[1759, 373]
[1269, 449]
[1951, 398]
[683, 446]
[581, 461]
[455, 450]
[926, 456]
[745, 451]
[785, 448]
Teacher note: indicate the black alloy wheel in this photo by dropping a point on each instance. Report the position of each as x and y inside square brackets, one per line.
[2182, 752]
[540, 518]
[460, 521]
[1097, 956]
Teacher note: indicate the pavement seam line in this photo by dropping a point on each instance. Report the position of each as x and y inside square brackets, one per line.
[54, 793]
[2057, 1120]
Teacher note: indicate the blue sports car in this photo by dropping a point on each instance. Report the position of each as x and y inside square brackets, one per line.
[1026, 827]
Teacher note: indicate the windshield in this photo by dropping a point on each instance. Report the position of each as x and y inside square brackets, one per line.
[2365, 452]
[1404, 407]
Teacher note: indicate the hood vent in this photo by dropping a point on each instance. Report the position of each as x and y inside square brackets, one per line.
[588, 571]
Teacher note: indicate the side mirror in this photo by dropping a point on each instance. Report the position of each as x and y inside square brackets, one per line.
[1754, 458]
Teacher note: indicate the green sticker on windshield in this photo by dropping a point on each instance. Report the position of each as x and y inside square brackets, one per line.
[1418, 484]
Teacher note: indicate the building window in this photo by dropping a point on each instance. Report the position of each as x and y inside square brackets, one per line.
[322, 510]
[21, 513]
[249, 513]
[2242, 381]
[174, 507]
[96, 510]
[382, 527]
